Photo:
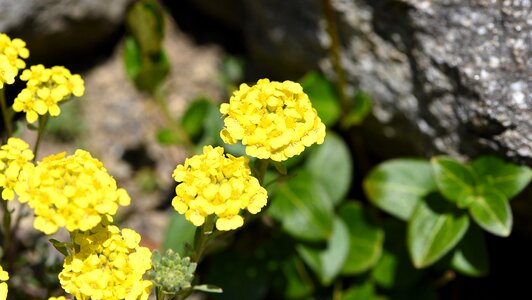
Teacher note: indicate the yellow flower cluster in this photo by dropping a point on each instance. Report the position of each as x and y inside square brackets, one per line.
[72, 191]
[3, 286]
[11, 52]
[273, 120]
[108, 265]
[15, 157]
[45, 89]
[212, 183]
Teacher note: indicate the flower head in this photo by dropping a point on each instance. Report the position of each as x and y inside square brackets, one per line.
[170, 272]
[107, 263]
[272, 119]
[213, 183]
[72, 191]
[3, 286]
[12, 51]
[15, 157]
[45, 89]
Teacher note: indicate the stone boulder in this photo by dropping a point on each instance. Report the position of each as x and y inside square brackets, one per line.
[447, 76]
[63, 30]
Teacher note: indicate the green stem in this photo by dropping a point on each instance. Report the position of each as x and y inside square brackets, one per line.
[200, 238]
[261, 170]
[335, 52]
[5, 114]
[6, 225]
[43, 121]
[183, 136]
[337, 290]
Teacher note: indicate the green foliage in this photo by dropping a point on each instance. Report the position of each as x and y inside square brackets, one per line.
[365, 239]
[179, 234]
[304, 208]
[193, 119]
[396, 186]
[331, 165]
[144, 57]
[323, 96]
[438, 200]
[360, 108]
[434, 228]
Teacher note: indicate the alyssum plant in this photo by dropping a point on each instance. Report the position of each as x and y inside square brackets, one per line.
[216, 191]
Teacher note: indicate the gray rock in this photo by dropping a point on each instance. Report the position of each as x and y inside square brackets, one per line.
[447, 76]
[55, 29]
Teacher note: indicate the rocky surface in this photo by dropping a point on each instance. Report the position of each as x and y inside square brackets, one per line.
[63, 30]
[447, 76]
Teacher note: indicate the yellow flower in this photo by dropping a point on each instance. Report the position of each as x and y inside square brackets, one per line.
[11, 54]
[15, 157]
[45, 89]
[107, 263]
[72, 191]
[212, 183]
[272, 119]
[3, 286]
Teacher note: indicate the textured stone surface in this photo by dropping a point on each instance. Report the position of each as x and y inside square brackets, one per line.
[54, 29]
[447, 76]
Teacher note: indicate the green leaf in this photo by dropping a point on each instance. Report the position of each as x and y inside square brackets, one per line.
[62, 247]
[491, 211]
[322, 94]
[506, 177]
[167, 136]
[328, 262]
[132, 58]
[331, 164]
[303, 207]
[471, 256]
[193, 118]
[455, 180]
[152, 73]
[280, 167]
[365, 239]
[360, 108]
[179, 233]
[145, 21]
[365, 291]
[297, 283]
[208, 288]
[435, 227]
[397, 185]
[394, 270]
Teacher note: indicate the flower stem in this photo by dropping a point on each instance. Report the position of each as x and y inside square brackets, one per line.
[5, 114]
[6, 226]
[183, 136]
[200, 238]
[43, 120]
[261, 170]
[335, 51]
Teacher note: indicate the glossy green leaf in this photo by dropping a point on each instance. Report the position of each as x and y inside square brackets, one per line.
[394, 270]
[471, 256]
[508, 178]
[208, 288]
[303, 207]
[491, 211]
[360, 108]
[322, 94]
[455, 180]
[436, 226]
[328, 262]
[331, 164]
[179, 233]
[193, 118]
[397, 185]
[365, 239]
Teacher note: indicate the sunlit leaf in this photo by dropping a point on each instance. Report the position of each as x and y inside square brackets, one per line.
[491, 211]
[332, 165]
[397, 185]
[455, 180]
[436, 226]
[323, 96]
